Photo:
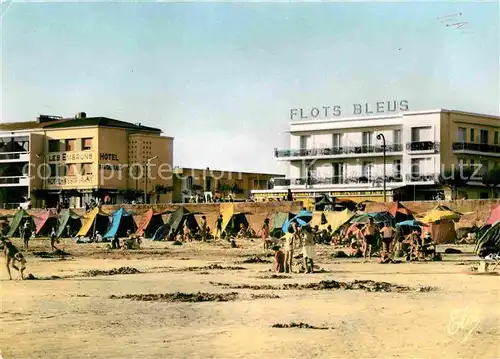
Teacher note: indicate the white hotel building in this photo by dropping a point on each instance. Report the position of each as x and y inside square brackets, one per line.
[343, 157]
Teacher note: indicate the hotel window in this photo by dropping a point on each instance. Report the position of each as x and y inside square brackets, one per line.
[86, 168]
[472, 135]
[86, 144]
[53, 170]
[396, 169]
[415, 167]
[54, 145]
[472, 165]
[461, 163]
[337, 173]
[305, 142]
[483, 137]
[71, 170]
[495, 138]
[484, 164]
[70, 145]
[396, 137]
[367, 170]
[190, 182]
[367, 138]
[461, 135]
[337, 140]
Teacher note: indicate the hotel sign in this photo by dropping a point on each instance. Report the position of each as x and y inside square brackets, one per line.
[71, 180]
[71, 157]
[357, 109]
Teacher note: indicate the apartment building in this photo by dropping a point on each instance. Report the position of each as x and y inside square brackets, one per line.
[218, 183]
[56, 159]
[345, 157]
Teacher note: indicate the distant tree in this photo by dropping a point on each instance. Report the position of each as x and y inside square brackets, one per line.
[491, 179]
[455, 179]
[160, 189]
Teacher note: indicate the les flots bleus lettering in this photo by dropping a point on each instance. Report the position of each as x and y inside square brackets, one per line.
[324, 112]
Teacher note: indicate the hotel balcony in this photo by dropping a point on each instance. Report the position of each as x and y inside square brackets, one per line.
[421, 178]
[422, 147]
[14, 157]
[318, 182]
[332, 152]
[476, 148]
[14, 181]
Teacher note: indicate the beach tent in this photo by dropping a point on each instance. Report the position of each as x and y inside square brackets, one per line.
[45, 221]
[494, 215]
[379, 218]
[333, 219]
[277, 221]
[175, 223]
[440, 213]
[234, 223]
[489, 242]
[121, 222]
[442, 231]
[400, 212]
[17, 222]
[68, 218]
[150, 222]
[94, 221]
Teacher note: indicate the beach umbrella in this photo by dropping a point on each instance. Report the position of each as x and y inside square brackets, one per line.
[302, 218]
[411, 223]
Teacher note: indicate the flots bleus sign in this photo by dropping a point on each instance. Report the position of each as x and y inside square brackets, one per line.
[323, 112]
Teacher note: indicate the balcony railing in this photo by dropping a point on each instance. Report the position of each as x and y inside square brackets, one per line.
[418, 177]
[13, 155]
[13, 180]
[312, 181]
[331, 151]
[476, 147]
[422, 146]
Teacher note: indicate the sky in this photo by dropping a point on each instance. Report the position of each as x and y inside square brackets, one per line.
[221, 78]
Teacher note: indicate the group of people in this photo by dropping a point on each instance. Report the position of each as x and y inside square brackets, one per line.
[393, 242]
[297, 237]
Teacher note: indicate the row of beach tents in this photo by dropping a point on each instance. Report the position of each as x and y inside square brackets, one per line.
[439, 221]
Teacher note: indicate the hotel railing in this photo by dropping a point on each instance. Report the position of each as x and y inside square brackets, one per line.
[335, 180]
[11, 179]
[476, 147]
[329, 151]
[417, 177]
[422, 146]
[12, 155]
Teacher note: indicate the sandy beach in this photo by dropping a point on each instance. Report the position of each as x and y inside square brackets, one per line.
[73, 313]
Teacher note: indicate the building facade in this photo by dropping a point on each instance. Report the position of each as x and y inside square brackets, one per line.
[72, 160]
[189, 182]
[345, 157]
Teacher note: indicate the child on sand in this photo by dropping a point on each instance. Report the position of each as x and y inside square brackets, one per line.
[279, 260]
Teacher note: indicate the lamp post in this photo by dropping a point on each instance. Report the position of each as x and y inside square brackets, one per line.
[380, 136]
[148, 161]
[41, 155]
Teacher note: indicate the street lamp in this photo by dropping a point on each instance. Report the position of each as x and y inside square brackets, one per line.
[41, 155]
[380, 136]
[148, 161]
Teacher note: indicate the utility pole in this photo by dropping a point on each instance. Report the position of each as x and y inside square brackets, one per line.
[380, 136]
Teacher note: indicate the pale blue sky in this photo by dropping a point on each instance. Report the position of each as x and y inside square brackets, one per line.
[221, 78]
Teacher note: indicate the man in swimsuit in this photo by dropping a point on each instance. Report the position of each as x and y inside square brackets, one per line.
[12, 255]
[264, 232]
[387, 235]
[369, 232]
[218, 226]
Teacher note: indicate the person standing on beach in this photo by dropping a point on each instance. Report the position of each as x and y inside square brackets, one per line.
[289, 239]
[53, 239]
[203, 228]
[218, 227]
[308, 249]
[264, 232]
[369, 238]
[387, 237]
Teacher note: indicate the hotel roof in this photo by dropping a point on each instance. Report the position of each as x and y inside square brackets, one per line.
[78, 122]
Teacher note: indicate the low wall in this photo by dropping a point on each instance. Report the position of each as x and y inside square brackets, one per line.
[480, 209]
